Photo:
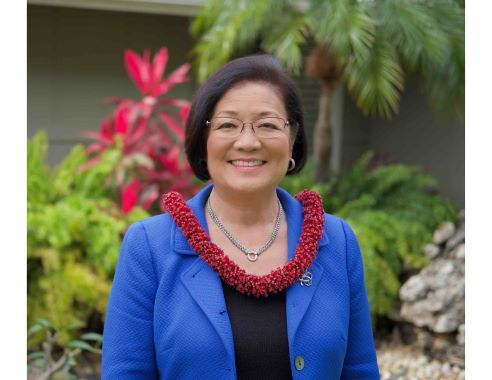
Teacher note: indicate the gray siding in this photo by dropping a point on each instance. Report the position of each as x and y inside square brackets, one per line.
[415, 136]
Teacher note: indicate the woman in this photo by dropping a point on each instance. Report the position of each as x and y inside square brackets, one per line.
[243, 281]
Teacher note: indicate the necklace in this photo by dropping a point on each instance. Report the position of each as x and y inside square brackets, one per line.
[235, 276]
[251, 254]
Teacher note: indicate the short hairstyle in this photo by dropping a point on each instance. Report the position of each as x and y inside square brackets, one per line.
[254, 68]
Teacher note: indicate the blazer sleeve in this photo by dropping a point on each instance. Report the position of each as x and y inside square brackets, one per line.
[360, 359]
[128, 342]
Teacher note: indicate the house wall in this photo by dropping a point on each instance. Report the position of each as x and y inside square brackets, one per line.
[416, 136]
[75, 61]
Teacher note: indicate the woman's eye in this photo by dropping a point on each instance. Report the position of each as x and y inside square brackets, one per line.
[227, 126]
[268, 126]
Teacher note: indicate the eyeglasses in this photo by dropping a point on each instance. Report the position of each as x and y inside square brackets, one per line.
[264, 128]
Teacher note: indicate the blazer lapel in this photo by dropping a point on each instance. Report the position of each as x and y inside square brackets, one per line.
[298, 297]
[201, 281]
[205, 287]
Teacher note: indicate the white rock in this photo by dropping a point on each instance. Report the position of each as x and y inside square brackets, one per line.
[460, 338]
[445, 323]
[446, 368]
[447, 268]
[459, 252]
[445, 231]
[431, 251]
[429, 371]
[414, 289]
[457, 238]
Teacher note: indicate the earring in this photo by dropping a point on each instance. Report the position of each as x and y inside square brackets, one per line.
[292, 164]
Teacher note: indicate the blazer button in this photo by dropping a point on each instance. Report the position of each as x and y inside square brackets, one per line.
[299, 362]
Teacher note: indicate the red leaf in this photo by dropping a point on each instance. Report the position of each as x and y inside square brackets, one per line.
[184, 112]
[170, 160]
[138, 69]
[129, 196]
[175, 127]
[159, 65]
[122, 116]
[180, 74]
[107, 128]
[137, 131]
[177, 76]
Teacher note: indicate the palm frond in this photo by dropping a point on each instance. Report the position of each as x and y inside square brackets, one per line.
[377, 81]
[347, 28]
[445, 80]
[225, 31]
[414, 31]
[284, 35]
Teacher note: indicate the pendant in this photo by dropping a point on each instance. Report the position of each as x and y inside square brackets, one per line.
[252, 256]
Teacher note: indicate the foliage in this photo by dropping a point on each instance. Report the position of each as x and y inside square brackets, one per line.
[393, 210]
[52, 359]
[145, 136]
[372, 43]
[78, 212]
[74, 233]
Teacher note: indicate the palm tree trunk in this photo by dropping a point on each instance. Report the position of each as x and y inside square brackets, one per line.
[323, 134]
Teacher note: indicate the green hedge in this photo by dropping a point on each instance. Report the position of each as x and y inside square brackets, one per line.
[74, 234]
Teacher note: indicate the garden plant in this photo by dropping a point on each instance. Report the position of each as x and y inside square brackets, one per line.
[79, 210]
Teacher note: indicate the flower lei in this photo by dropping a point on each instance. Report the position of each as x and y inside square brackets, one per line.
[277, 280]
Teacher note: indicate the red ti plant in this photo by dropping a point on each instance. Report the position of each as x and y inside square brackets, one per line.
[148, 133]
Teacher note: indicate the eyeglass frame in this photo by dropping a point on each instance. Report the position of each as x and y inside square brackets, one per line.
[286, 122]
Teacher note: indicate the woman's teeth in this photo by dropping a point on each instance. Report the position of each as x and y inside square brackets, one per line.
[247, 163]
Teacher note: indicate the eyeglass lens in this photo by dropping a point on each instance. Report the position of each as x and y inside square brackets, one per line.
[269, 127]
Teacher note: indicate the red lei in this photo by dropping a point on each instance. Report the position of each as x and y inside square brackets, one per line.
[277, 280]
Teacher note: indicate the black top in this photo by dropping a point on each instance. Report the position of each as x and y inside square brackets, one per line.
[259, 328]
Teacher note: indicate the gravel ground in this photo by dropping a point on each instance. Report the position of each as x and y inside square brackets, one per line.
[399, 362]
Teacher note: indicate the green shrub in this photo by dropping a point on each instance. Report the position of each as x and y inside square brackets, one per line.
[74, 234]
[393, 209]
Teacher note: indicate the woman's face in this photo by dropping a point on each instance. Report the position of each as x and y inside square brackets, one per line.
[247, 163]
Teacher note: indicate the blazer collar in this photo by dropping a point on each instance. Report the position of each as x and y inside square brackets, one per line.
[292, 208]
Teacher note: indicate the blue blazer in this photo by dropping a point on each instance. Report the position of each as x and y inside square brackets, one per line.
[167, 319]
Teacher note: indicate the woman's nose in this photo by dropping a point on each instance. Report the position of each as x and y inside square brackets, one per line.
[247, 139]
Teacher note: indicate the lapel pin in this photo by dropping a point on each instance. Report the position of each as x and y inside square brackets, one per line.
[306, 279]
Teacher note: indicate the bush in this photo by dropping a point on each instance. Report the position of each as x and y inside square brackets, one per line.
[146, 136]
[393, 209]
[74, 234]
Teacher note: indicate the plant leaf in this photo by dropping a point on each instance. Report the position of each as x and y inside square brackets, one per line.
[92, 336]
[81, 345]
